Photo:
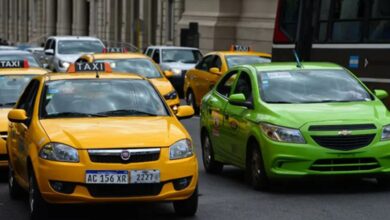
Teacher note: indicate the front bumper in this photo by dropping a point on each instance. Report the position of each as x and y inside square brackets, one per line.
[283, 160]
[3, 154]
[74, 173]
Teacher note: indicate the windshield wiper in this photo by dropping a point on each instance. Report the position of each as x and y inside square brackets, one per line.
[7, 104]
[125, 112]
[75, 114]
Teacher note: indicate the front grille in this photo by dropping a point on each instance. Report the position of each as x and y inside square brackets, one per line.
[344, 142]
[345, 164]
[114, 156]
[118, 190]
[341, 127]
[4, 135]
[3, 156]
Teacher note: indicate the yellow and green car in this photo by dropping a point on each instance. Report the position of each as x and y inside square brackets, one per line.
[278, 120]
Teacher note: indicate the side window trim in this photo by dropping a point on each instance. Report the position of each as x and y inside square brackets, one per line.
[223, 81]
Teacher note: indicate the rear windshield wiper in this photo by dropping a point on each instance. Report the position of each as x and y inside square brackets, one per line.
[7, 104]
[75, 114]
[125, 112]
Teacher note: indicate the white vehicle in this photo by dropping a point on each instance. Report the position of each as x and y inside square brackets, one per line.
[175, 59]
[61, 51]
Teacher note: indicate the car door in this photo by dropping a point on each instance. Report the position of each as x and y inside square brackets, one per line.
[216, 106]
[20, 135]
[200, 78]
[236, 127]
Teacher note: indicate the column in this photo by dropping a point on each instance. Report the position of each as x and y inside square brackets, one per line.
[51, 17]
[64, 17]
[80, 18]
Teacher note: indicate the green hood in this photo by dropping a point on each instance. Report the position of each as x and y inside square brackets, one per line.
[298, 115]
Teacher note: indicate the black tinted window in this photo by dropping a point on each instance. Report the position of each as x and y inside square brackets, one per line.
[226, 83]
[289, 17]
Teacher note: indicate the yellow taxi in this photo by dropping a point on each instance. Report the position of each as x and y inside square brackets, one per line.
[98, 136]
[122, 61]
[14, 76]
[199, 80]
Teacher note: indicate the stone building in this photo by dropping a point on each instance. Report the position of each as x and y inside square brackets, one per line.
[139, 23]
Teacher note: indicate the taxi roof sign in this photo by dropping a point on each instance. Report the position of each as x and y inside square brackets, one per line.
[240, 48]
[14, 64]
[90, 67]
[115, 50]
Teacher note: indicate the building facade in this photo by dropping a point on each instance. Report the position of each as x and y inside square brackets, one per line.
[140, 23]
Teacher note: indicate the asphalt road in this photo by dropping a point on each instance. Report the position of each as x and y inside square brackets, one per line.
[227, 196]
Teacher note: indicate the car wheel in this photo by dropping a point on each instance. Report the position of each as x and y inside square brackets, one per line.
[14, 189]
[209, 163]
[37, 205]
[255, 169]
[190, 99]
[187, 207]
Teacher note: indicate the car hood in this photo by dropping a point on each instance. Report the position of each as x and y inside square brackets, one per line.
[162, 84]
[121, 132]
[178, 65]
[298, 115]
[69, 57]
[4, 119]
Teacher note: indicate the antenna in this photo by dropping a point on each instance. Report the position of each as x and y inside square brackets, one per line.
[299, 64]
[97, 75]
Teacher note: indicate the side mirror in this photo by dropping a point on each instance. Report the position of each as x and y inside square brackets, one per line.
[381, 94]
[45, 66]
[184, 112]
[17, 116]
[239, 100]
[215, 70]
[49, 52]
[168, 73]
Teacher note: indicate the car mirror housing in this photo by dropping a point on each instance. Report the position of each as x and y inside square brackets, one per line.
[215, 70]
[381, 94]
[168, 73]
[49, 52]
[239, 100]
[184, 112]
[17, 116]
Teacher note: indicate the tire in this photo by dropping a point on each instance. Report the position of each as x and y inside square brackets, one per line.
[190, 99]
[209, 162]
[38, 208]
[14, 189]
[187, 207]
[256, 173]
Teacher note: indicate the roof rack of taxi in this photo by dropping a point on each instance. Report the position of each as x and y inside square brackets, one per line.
[115, 50]
[90, 67]
[14, 64]
[240, 48]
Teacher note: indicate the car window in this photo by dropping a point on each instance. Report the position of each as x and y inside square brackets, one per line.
[217, 62]
[79, 46]
[226, 83]
[156, 55]
[48, 44]
[149, 52]
[310, 86]
[142, 66]
[242, 60]
[27, 99]
[11, 87]
[244, 86]
[180, 55]
[101, 97]
[206, 63]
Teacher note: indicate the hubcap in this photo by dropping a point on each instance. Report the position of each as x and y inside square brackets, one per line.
[206, 151]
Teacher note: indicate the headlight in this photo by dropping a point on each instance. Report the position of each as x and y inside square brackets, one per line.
[171, 95]
[282, 134]
[176, 71]
[180, 149]
[64, 64]
[386, 133]
[59, 152]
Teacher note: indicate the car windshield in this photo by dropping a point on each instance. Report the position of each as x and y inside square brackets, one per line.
[79, 46]
[141, 66]
[181, 55]
[11, 86]
[100, 98]
[32, 61]
[242, 60]
[310, 86]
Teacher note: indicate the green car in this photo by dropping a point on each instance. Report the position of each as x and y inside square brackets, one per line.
[280, 120]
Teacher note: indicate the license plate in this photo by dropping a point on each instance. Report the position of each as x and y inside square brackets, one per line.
[107, 177]
[144, 176]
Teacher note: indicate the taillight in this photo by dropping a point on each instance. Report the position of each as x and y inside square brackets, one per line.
[279, 36]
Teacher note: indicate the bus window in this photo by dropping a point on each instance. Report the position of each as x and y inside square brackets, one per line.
[286, 21]
[379, 26]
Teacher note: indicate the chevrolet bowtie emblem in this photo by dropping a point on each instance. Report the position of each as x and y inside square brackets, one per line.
[344, 133]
